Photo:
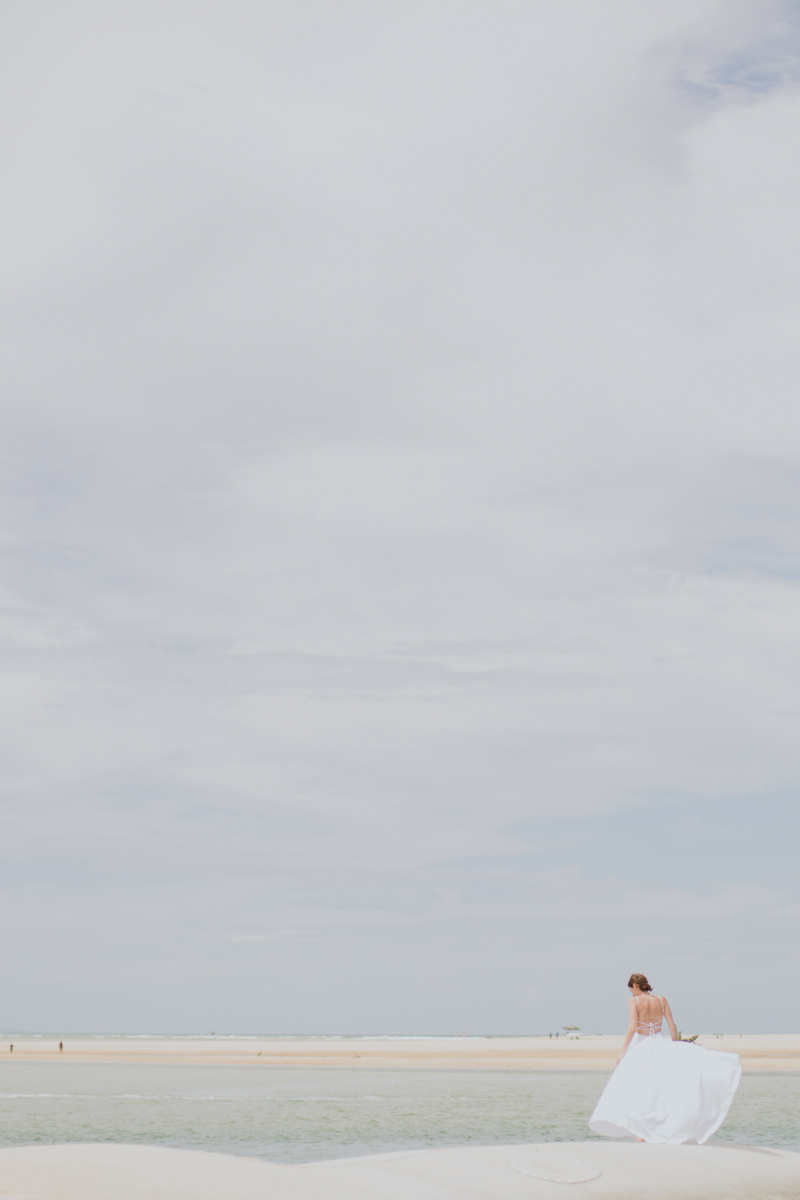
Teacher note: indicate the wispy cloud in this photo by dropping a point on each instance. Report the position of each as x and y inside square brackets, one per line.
[748, 50]
[276, 936]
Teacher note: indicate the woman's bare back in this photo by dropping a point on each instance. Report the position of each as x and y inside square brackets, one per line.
[650, 1012]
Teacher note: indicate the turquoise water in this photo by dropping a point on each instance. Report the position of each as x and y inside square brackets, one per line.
[303, 1114]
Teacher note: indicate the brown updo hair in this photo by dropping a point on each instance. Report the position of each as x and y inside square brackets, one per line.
[640, 981]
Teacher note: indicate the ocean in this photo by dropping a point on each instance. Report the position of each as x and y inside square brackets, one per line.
[295, 1114]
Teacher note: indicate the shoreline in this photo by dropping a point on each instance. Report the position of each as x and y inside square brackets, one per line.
[758, 1052]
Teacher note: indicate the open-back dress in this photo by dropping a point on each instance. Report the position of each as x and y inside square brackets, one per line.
[665, 1091]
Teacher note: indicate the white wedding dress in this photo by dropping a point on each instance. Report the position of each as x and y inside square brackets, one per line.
[665, 1091]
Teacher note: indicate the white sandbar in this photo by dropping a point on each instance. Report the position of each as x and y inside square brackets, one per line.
[759, 1052]
[612, 1171]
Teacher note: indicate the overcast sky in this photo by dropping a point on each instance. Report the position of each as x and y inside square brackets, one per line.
[401, 475]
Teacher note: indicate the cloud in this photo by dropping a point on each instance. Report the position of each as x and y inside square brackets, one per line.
[745, 51]
[398, 460]
[277, 936]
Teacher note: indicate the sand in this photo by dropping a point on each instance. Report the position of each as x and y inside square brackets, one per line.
[598, 1171]
[759, 1052]
[609, 1170]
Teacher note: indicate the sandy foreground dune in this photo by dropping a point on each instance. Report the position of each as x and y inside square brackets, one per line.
[598, 1171]
[759, 1052]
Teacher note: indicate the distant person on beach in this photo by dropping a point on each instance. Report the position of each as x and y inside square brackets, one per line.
[663, 1089]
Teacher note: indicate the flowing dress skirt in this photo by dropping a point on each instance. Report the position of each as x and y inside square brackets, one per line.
[665, 1091]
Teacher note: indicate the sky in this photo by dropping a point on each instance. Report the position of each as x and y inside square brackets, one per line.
[400, 494]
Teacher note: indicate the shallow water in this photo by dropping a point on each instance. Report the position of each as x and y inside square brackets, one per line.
[305, 1114]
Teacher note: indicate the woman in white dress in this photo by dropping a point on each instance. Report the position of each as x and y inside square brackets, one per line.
[664, 1090]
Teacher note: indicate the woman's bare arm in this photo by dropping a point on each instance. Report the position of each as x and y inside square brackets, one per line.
[632, 1025]
[668, 1015]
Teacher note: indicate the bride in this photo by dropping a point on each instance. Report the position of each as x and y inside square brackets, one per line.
[664, 1090]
